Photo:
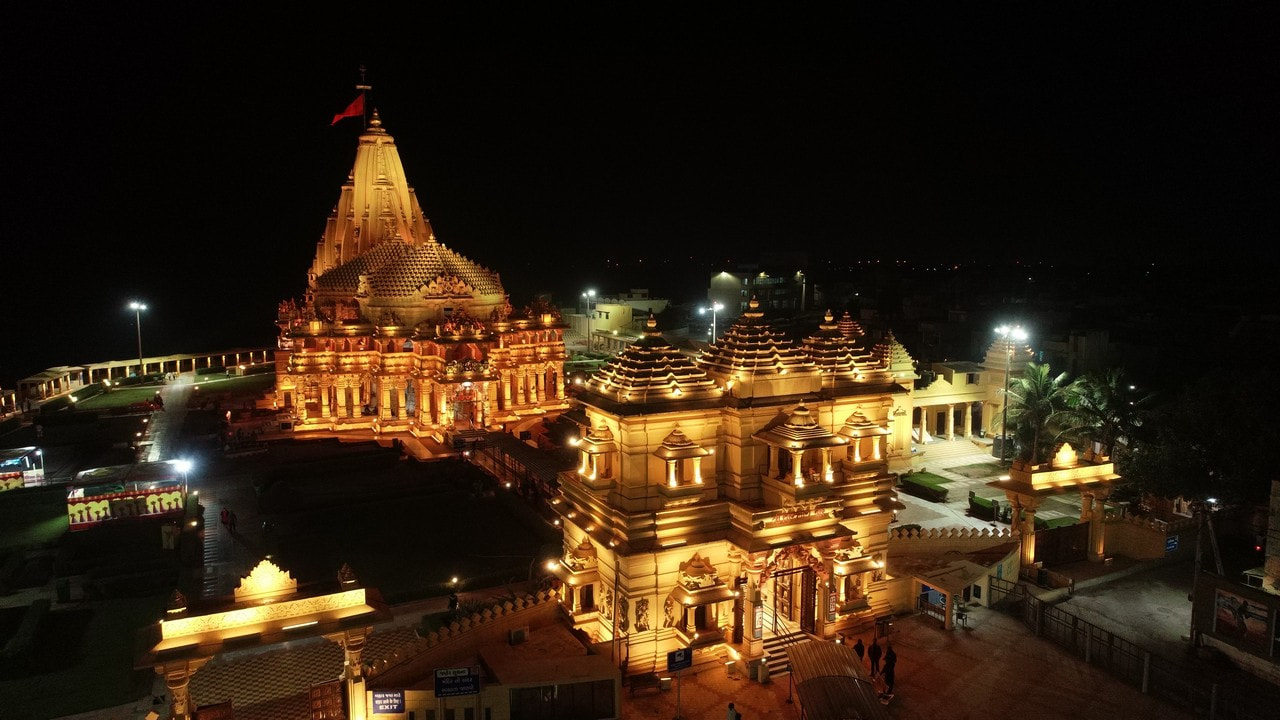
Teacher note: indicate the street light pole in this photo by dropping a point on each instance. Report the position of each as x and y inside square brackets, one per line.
[715, 308]
[1009, 334]
[590, 295]
[137, 308]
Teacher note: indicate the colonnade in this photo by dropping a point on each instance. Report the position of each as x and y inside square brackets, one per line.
[427, 401]
[930, 424]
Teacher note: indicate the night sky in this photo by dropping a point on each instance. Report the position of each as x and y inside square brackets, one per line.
[187, 160]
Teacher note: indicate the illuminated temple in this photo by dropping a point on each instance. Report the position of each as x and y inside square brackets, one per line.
[398, 332]
[743, 493]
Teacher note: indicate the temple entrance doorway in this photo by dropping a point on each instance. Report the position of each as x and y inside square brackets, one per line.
[463, 406]
[793, 601]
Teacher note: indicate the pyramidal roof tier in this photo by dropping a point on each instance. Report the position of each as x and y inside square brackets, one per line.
[895, 358]
[751, 353]
[652, 370]
[851, 328]
[840, 355]
[1005, 353]
[379, 257]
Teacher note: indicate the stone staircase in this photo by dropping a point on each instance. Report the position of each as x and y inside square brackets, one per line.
[775, 648]
[944, 453]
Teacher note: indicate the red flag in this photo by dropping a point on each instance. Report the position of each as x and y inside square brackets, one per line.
[355, 109]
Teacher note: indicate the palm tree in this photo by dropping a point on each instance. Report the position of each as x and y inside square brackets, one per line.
[1037, 403]
[1105, 409]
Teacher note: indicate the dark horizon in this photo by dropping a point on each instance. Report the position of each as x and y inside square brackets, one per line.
[189, 162]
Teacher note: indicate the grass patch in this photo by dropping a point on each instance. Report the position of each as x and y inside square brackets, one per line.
[979, 470]
[118, 398]
[924, 485]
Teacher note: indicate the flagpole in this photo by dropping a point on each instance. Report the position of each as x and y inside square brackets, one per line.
[364, 87]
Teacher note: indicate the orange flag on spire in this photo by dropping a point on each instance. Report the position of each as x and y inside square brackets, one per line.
[355, 109]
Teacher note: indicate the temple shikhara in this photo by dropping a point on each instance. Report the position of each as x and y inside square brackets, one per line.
[399, 333]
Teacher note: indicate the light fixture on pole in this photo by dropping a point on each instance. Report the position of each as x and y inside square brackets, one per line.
[137, 309]
[590, 295]
[1009, 334]
[715, 308]
[184, 467]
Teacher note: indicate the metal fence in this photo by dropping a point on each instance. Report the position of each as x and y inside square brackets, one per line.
[1154, 675]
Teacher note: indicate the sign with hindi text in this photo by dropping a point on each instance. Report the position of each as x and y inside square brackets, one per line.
[452, 682]
[388, 702]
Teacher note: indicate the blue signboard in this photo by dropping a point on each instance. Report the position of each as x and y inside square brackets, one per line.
[679, 659]
[1171, 543]
[388, 702]
[452, 682]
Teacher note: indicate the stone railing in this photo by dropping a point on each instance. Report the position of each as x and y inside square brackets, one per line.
[912, 541]
[492, 623]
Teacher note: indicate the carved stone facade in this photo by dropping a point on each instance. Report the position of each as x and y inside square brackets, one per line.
[397, 332]
[742, 493]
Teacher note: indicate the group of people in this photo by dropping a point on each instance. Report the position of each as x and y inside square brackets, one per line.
[883, 676]
[229, 519]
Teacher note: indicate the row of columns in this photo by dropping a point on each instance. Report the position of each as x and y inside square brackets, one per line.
[340, 395]
[928, 415]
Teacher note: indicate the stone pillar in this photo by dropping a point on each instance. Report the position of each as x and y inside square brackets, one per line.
[541, 388]
[1097, 528]
[352, 643]
[1029, 536]
[384, 402]
[177, 678]
[826, 464]
[326, 388]
[697, 470]
[857, 449]
[924, 415]
[754, 567]
[951, 421]
[797, 474]
[507, 382]
[968, 421]
[671, 473]
[774, 453]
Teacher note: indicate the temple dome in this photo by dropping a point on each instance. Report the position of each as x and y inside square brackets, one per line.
[652, 370]
[751, 358]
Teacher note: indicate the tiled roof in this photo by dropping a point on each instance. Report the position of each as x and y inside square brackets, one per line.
[652, 369]
[753, 347]
[397, 269]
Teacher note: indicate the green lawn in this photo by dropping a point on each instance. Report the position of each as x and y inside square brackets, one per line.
[979, 470]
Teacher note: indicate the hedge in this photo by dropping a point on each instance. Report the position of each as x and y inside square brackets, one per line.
[924, 485]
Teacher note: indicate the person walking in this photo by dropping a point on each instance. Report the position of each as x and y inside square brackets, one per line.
[873, 652]
[732, 713]
[890, 663]
[859, 648]
[453, 601]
